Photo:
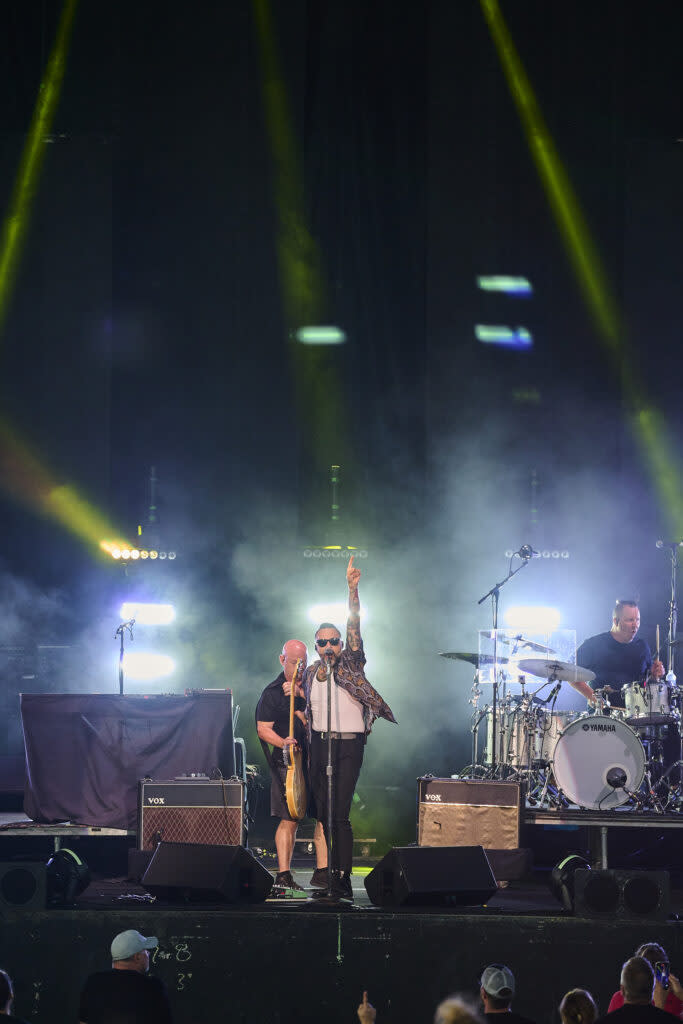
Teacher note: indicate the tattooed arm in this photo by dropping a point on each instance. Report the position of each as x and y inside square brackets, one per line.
[353, 640]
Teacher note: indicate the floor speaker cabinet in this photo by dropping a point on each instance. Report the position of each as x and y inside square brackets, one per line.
[198, 871]
[23, 885]
[191, 811]
[437, 876]
[468, 812]
[631, 895]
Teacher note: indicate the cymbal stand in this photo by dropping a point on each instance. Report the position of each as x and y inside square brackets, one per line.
[494, 594]
[477, 718]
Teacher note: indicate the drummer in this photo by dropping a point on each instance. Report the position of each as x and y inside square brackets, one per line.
[617, 657]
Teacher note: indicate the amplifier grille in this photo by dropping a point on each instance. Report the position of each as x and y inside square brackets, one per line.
[218, 826]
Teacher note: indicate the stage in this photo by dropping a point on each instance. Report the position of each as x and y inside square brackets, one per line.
[293, 960]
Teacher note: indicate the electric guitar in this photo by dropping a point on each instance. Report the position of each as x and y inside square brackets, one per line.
[295, 783]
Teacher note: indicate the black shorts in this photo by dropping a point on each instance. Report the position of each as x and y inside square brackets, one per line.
[278, 794]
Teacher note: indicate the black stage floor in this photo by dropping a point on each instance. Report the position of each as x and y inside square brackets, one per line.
[291, 960]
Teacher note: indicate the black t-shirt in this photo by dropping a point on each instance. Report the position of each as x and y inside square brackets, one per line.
[274, 707]
[613, 663]
[124, 997]
[509, 1017]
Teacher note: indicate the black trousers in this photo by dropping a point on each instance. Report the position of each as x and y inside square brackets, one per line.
[347, 758]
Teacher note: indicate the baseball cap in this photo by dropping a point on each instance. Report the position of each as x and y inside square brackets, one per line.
[129, 943]
[498, 981]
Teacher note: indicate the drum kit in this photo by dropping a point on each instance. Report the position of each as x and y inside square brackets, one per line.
[600, 759]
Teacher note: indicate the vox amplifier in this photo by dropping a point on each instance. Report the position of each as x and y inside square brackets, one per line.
[460, 812]
[191, 811]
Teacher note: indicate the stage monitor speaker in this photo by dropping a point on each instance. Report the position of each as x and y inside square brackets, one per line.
[622, 894]
[432, 876]
[22, 885]
[198, 871]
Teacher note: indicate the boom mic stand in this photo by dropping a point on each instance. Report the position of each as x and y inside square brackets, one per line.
[494, 594]
[120, 632]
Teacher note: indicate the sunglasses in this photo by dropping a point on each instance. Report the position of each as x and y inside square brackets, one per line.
[334, 640]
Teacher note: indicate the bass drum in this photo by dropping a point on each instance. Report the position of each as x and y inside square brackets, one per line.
[589, 749]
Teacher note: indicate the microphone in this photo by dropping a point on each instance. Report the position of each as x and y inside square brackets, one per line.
[669, 544]
[526, 552]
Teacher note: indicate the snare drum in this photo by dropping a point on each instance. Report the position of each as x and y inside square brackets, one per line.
[590, 748]
[647, 703]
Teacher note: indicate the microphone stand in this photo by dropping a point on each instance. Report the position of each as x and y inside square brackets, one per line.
[120, 632]
[330, 774]
[494, 594]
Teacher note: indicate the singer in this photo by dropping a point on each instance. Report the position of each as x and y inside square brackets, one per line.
[617, 657]
[355, 706]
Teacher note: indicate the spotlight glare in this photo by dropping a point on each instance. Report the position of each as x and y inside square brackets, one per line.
[125, 554]
[509, 337]
[145, 666]
[154, 554]
[144, 554]
[536, 618]
[135, 554]
[146, 614]
[504, 283]
[320, 335]
[336, 612]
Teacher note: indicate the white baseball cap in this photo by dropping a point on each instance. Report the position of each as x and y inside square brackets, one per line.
[129, 943]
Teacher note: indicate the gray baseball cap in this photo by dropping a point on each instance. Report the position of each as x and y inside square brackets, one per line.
[498, 981]
[129, 943]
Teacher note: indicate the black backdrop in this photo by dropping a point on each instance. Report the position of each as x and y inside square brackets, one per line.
[147, 327]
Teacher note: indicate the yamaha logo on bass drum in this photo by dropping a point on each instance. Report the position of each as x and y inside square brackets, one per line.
[598, 728]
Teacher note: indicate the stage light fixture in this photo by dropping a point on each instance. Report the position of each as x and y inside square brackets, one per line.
[506, 283]
[125, 555]
[148, 614]
[153, 554]
[144, 554]
[320, 335]
[171, 555]
[539, 618]
[135, 554]
[562, 882]
[116, 553]
[146, 666]
[67, 877]
[501, 334]
[162, 554]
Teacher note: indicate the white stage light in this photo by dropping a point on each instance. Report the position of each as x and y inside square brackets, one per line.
[337, 613]
[148, 614]
[145, 666]
[534, 618]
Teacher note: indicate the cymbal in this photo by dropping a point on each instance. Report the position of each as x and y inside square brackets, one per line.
[556, 670]
[474, 659]
[520, 641]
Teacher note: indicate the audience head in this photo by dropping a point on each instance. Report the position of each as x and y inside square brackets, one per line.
[457, 1010]
[578, 1007]
[497, 987]
[6, 992]
[637, 980]
[653, 953]
[130, 951]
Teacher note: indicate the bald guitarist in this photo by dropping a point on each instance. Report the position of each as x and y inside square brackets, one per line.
[272, 726]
